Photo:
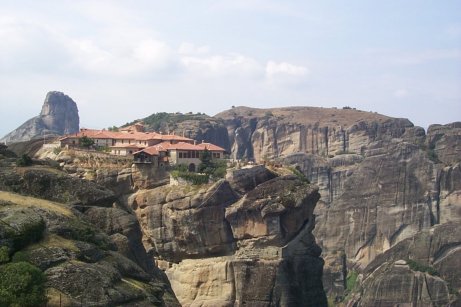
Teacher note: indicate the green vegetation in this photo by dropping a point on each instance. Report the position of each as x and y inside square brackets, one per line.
[27, 234]
[21, 284]
[208, 168]
[57, 150]
[351, 280]
[420, 267]
[86, 142]
[299, 174]
[213, 168]
[113, 128]
[4, 254]
[24, 160]
[157, 121]
[80, 231]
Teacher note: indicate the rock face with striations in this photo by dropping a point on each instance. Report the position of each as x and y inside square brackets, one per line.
[382, 182]
[237, 242]
[59, 116]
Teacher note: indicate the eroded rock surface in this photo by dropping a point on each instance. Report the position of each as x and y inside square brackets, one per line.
[59, 116]
[221, 247]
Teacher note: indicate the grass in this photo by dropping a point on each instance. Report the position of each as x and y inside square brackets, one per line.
[57, 298]
[26, 201]
[53, 240]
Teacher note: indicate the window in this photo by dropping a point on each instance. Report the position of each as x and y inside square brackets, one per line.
[180, 155]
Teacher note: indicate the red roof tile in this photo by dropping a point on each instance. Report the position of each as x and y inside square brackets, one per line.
[210, 147]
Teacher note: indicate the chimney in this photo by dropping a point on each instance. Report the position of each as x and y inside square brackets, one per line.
[195, 142]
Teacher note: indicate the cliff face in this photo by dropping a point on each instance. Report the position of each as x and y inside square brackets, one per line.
[89, 247]
[236, 242]
[59, 116]
[382, 181]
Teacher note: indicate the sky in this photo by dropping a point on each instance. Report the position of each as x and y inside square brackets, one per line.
[124, 60]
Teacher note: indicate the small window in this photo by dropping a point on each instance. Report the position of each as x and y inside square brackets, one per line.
[180, 155]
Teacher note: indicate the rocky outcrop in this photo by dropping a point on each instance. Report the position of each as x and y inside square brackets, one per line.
[225, 247]
[85, 242]
[262, 134]
[59, 116]
[382, 181]
[420, 270]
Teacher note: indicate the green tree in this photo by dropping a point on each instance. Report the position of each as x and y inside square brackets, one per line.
[21, 284]
[86, 142]
[25, 160]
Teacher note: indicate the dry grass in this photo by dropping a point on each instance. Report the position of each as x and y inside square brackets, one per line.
[57, 298]
[32, 202]
[52, 240]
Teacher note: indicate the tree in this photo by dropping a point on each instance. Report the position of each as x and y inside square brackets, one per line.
[86, 142]
[25, 160]
[22, 284]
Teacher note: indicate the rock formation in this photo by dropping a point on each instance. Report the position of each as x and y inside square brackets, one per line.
[89, 248]
[382, 181]
[237, 242]
[59, 116]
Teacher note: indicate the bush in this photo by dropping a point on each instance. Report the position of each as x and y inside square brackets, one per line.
[351, 280]
[299, 174]
[194, 178]
[420, 267]
[21, 284]
[28, 233]
[86, 142]
[4, 254]
[57, 150]
[25, 160]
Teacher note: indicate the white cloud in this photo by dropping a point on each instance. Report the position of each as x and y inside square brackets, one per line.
[191, 49]
[274, 69]
[222, 65]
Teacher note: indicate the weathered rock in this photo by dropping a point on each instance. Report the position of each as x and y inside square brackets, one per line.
[256, 251]
[59, 116]
[51, 184]
[124, 229]
[244, 180]
[181, 223]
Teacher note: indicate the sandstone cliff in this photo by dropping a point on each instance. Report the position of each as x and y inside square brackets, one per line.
[242, 241]
[382, 181]
[59, 116]
[89, 247]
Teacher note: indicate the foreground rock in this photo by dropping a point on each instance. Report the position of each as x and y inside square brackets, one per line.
[90, 251]
[59, 116]
[220, 247]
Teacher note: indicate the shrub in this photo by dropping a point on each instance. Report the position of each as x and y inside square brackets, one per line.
[420, 267]
[4, 254]
[29, 233]
[25, 160]
[299, 174]
[86, 142]
[22, 284]
[57, 150]
[351, 280]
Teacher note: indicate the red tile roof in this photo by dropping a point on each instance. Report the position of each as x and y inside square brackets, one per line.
[210, 147]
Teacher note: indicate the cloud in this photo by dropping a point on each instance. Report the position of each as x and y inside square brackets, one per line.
[283, 69]
[191, 49]
[223, 65]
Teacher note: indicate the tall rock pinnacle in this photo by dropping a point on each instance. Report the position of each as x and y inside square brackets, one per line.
[59, 116]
